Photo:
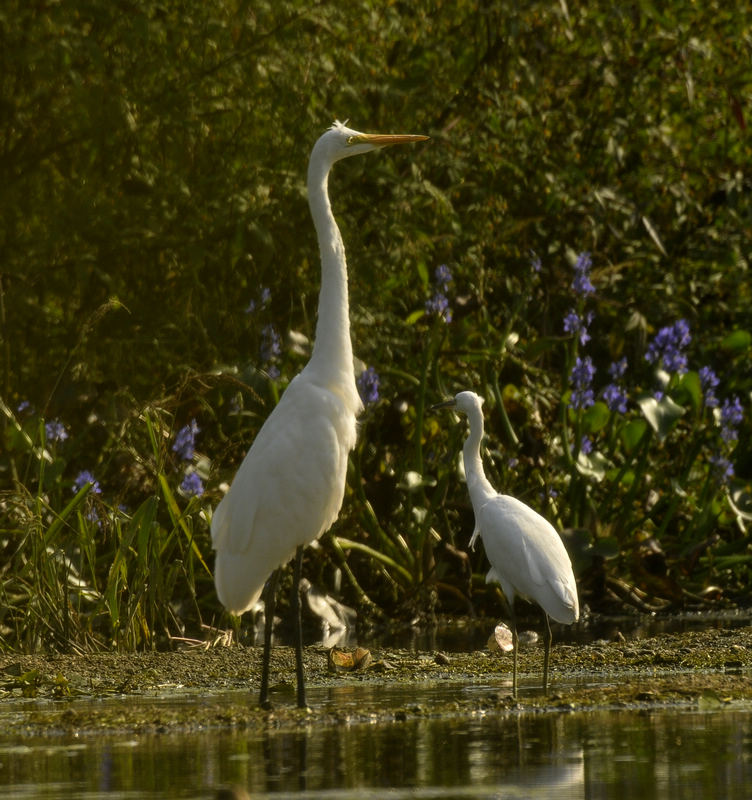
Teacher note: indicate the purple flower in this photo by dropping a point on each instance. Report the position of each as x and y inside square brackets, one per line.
[266, 296]
[669, 345]
[443, 277]
[55, 431]
[581, 378]
[618, 368]
[724, 469]
[732, 415]
[82, 479]
[271, 344]
[185, 440]
[616, 398]
[586, 445]
[24, 406]
[581, 283]
[438, 304]
[192, 484]
[708, 383]
[578, 326]
[368, 386]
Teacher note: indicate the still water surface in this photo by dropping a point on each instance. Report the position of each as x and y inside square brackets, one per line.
[673, 753]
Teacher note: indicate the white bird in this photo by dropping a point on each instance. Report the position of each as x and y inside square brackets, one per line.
[526, 553]
[289, 488]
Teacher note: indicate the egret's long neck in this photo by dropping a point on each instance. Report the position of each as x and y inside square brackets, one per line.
[477, 484]
[332, 350]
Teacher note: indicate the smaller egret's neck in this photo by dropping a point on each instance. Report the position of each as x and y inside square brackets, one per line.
[332, 349]
[477, 484]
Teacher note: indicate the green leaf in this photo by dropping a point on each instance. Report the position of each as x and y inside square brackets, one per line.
[595, 418]
[631, 434]
[737, 341]
[690, 387]
[661, 414]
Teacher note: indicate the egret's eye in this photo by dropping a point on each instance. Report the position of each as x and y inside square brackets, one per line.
[351, 140]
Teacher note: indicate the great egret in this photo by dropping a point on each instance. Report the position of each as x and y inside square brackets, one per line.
[290, 486]
[526, 553]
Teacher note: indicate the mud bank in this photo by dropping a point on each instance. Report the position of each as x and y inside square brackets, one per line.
[42, 695]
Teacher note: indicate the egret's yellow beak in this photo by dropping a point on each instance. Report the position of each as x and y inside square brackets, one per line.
[384, 139]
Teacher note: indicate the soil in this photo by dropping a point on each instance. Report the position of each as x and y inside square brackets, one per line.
[59, 694]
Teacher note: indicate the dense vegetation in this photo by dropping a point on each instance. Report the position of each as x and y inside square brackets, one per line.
[574, 244]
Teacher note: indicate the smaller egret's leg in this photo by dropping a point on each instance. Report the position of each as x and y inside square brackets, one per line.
[270, 601]
[546, 652]
[515, 646]
[296, 610]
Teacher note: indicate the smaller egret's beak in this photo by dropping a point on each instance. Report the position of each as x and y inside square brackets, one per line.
[384, 139]
[446, 404]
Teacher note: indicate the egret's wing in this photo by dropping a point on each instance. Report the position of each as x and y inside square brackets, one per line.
[286, 493]
[527, 556]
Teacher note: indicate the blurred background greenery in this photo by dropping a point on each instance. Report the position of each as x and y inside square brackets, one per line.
[159, 276]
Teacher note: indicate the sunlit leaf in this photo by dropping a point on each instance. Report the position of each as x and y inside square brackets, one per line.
[661, 414]
[412, 481]
[592, 465]
[653, 234]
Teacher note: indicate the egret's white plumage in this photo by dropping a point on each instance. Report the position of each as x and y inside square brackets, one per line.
[526, 553]
[290, 486]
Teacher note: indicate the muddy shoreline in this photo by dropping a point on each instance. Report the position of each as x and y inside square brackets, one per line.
[130, 693]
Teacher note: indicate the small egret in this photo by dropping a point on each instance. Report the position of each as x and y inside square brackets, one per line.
[290, 486]
[526, 553]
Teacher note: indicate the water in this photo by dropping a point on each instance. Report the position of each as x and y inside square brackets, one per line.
[676, 753]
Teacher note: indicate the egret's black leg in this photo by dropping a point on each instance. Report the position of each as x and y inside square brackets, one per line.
[270, 601]
[298, 627]
[515, 644]
[546, 652]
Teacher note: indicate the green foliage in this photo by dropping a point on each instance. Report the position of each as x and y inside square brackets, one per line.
[153, 164]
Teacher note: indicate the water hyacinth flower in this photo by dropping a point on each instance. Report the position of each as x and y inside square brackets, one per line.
[54, 431]
[669, 345]
[615, 398]
[578, 326]
[581, 283]
[709, 383]
[265, 297]
[82, 479]
[617, 369]
[724, 469]
[368, 386]
[731, 417]
[271, 344]
[192, 485]
[271, 349]
[438, 303]
[586, 445]
[185, 440]
[581, 378]
[443, 277]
